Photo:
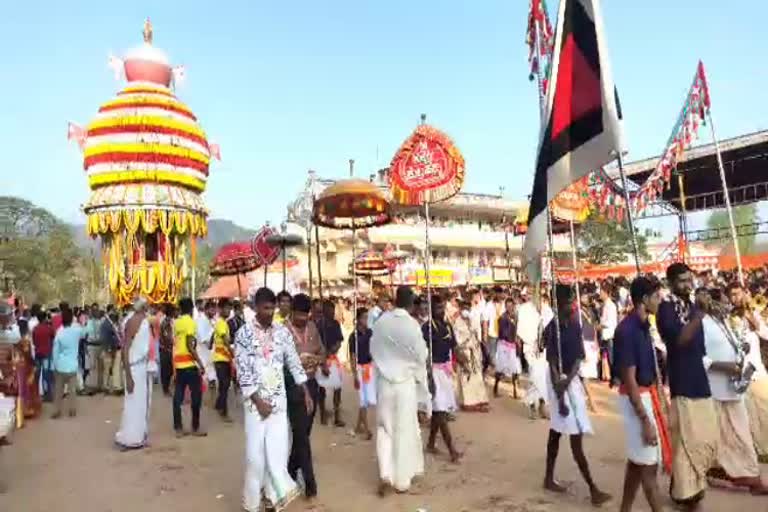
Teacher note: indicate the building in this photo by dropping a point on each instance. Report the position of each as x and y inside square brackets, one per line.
[470, 237]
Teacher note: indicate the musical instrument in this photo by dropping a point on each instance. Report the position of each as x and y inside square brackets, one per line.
[736, 337]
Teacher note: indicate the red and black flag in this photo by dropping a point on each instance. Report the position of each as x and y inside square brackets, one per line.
[580, 130]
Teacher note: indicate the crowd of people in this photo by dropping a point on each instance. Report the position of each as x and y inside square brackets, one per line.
[684, 353]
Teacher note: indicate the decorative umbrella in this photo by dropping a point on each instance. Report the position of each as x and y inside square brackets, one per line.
[234, 259]
[370, 261]
[266, 252]
[351, 204]
[282, 241]
[427, 168]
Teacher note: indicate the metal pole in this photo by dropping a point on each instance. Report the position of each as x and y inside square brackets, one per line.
[727, 198]
[576, 272]
[540, 77]
[354, 260]
[506, 244]
[194, 278]
[309, 256]
[266, 267]
[319, 264]
[630, 219]
[553, 298]
[284, 270]
[427, 257]
[682, 245]
[239, 289]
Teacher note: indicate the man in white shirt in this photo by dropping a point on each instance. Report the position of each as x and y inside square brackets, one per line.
[205, 323]
[736, 456]
[383, 304]
[400, 358]
[491, 314]
[609, 319]
[529, 325]
[476, 323]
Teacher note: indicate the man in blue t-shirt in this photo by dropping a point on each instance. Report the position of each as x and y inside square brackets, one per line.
[635, 364]
[695, 429]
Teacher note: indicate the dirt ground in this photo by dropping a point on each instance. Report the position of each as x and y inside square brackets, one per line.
[70, 465]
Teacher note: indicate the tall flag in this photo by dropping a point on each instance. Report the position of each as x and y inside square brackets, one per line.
[581, 129]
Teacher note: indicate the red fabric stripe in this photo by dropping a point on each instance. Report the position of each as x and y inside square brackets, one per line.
[119, 157]
[135, 128]
[148, 104]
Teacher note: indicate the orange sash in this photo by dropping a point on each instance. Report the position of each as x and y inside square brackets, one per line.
[367, 372]
[664, 438]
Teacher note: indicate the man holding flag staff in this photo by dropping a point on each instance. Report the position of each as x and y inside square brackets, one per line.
[569, 416]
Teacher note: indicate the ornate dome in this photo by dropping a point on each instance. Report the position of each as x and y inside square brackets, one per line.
[146, 135]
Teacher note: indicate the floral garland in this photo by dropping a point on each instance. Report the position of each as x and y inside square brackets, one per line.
[538, 21]
[147, 221]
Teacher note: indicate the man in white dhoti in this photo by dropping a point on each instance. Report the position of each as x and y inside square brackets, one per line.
[134, 426]
[565, 351]
[528, 322]
[400, 359]
[736, 456]
[205, 327]
[262, 351]
[647, 439]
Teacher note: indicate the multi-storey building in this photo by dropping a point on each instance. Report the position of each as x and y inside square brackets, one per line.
[470, 235]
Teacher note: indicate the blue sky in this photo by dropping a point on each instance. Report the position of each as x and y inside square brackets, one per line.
[288, 86]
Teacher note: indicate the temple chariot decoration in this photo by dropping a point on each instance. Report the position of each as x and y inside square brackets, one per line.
[147, 160]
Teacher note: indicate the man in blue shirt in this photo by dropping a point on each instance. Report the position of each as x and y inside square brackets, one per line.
[635, 364]
[694, 422]
[566, 393]
[65, 352]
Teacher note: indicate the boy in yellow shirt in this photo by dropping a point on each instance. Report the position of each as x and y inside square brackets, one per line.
[222, 357]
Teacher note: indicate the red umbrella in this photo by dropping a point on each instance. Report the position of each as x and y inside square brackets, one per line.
[234, 259]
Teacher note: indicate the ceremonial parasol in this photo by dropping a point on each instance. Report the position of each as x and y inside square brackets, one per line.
[351, 204]
[282, 241]
[234, 259]
[267, 253]
[427, 168]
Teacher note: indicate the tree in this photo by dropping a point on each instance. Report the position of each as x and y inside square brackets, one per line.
[604, 242]
[42, 259]
[746, 214]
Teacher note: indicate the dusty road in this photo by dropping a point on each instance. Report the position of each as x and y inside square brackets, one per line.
[70, 465]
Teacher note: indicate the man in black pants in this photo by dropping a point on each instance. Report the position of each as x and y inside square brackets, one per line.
[222, 358]
[189, 369]
[166, 348]
[311, 352]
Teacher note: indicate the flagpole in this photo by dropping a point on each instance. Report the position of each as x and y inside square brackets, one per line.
[551, 250]
[630, 218]
[726, 197]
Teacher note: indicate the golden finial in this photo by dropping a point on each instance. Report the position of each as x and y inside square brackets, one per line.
[148, 31]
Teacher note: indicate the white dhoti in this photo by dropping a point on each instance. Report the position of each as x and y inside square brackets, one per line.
[206, 357]
[577, 421]
[538, 369]
[637, 451]
[134, 426]
[445, 394]
[366, 376]
[588, 368]
[398, 438]
[507, 360]
[335, 378]
[267, 447]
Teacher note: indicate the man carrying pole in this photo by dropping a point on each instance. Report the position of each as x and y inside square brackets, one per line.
[580, 131]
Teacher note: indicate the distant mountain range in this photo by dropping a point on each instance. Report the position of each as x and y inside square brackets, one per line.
[220, 232]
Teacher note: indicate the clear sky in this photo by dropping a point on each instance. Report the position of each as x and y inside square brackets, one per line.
[285, 87]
